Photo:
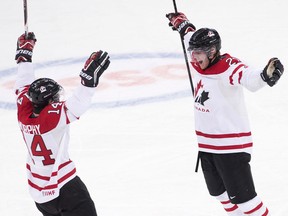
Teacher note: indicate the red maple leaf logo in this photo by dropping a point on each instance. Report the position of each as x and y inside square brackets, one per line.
[199, 85]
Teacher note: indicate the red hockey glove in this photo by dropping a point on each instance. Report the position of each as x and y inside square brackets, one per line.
[179, 22]
[94, 67]
[272, 72]
[25, 47]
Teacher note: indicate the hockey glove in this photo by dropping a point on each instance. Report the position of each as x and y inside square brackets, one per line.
[179, 22]
[94, 67]
[25, 47]
[272, 72]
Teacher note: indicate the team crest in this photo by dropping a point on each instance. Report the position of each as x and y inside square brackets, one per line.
[200, 94]
[211, 34]
[42, 89]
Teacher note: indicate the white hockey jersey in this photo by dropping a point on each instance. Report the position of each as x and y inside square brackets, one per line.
[47, 137]
[221, 119]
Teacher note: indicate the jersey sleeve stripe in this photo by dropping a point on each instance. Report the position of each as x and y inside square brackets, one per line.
[231, 77]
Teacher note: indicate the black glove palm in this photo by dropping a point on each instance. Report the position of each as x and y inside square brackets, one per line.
[272, 71]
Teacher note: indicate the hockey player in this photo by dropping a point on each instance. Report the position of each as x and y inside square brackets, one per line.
[221, 121]
[44, 122]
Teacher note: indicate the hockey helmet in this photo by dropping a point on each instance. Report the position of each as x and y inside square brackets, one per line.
[204, 39]
[42, 90]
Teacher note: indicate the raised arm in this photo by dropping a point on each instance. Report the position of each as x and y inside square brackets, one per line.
[23, 58]
[93, 68]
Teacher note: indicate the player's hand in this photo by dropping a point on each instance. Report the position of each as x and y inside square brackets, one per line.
[94, 67]
[272, 71]
[179, 22]
[25, 47]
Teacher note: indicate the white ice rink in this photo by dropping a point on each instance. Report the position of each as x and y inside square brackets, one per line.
[135, 149]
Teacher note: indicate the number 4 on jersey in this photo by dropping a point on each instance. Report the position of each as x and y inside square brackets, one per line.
[38, 148]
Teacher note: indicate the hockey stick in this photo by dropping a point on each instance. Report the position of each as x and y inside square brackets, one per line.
[25, 17]
[185, 54]
[190, 77]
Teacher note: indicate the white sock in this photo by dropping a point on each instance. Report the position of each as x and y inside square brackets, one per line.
[254, 207]
[230, 208]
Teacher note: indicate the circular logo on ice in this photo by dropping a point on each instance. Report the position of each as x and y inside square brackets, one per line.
[131, 79]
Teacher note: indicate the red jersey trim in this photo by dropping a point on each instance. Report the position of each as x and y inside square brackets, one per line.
[65, 111]
[234, 72]
[53, 186]
[47, 178]
[220, 67]
[227, 147]
[223, 136]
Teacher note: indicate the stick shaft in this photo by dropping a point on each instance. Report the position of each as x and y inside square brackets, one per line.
[175, 6]
[25, 17]
[190, 77]
[185, 54]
